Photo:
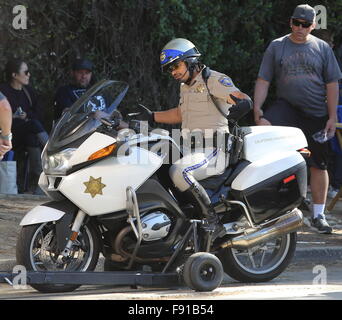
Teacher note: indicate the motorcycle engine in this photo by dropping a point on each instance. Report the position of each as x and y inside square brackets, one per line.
[155, 226]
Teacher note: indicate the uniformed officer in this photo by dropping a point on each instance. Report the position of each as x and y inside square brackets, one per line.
[198, 112]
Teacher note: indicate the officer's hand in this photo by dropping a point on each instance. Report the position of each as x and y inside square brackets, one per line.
[145, 115]
[235, 99]
[330, 127]
[241, 102]
[241, 107]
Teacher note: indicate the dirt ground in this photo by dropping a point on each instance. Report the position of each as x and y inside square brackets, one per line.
[13, 209]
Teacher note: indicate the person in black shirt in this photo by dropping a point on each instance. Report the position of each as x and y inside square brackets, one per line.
[81, 76]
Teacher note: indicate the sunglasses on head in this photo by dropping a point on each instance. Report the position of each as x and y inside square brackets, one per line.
[297, 23]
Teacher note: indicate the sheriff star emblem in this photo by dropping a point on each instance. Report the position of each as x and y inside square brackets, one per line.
[200, 88]
[94, 186]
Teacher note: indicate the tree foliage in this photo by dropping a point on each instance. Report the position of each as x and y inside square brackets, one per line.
[124, 39]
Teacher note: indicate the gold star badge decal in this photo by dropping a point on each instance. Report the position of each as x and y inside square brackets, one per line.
[200, 88]
[94, 186]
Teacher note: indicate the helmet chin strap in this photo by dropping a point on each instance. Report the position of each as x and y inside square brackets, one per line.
[180, 79]
[191, 69]
[191, 74]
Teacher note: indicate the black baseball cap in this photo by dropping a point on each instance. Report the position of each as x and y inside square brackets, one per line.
[82, 64]
[305, 12]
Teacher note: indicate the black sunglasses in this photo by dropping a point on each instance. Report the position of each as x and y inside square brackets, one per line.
[26, 72]
[297, 23]
[173, 67]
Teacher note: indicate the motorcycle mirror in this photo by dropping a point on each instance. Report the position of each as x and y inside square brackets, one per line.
[110, 123]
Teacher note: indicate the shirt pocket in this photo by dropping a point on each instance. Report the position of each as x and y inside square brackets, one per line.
[199, 103]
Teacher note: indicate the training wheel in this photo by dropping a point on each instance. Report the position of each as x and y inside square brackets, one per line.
[203, 272]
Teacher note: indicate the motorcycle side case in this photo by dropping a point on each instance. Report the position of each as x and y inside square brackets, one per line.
[261, 141]
[272, 186]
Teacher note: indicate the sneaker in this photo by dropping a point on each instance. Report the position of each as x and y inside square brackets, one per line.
[332, 192]
[321, 225]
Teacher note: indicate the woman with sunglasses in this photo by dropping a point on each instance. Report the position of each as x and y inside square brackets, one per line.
[306, 74]
[28, 132]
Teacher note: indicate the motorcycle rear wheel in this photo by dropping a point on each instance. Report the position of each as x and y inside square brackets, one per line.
[36, 250]
[261, 263]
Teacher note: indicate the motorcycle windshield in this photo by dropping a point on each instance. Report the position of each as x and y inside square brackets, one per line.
[83, 117]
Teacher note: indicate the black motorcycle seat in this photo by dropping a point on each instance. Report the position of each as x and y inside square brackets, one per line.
[214, 183]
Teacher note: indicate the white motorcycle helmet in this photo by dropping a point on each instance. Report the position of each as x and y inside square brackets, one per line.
[179, 49]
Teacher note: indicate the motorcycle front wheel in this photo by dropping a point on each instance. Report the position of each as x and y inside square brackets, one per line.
[261, 263]
[37, 251]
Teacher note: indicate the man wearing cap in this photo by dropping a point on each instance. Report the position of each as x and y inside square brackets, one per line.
[81, 75]
[306, 74]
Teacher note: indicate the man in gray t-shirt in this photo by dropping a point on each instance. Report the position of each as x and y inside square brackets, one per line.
[301, 71]
[306, 74]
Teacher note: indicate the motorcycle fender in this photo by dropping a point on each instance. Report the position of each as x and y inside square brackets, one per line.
[41, 214]
[49, 213]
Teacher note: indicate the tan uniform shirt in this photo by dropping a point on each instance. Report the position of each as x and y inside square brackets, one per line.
[197, 108]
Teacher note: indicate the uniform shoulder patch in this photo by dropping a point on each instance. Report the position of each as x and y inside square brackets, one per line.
[226, 81]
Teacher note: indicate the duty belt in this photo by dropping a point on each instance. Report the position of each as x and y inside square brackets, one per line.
[198, 141]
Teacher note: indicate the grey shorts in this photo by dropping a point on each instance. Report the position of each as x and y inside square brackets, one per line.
[281, 113]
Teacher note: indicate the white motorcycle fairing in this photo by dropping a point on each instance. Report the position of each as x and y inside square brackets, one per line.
[41, 214]
[94, 143]
[95, 189]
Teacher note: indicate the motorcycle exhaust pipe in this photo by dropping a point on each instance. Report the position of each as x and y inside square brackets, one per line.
[285, 224]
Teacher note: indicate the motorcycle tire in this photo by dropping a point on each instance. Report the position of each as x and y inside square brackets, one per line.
[240, 272]
[23, 256]
[203, 272]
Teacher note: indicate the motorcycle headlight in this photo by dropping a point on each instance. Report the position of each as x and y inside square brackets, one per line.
[57, 163]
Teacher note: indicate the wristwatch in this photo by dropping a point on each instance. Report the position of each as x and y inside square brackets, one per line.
[6, 137]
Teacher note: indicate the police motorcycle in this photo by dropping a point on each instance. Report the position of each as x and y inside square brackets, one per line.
[111, 194]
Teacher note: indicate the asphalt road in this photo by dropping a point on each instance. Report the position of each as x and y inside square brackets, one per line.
[299, 281]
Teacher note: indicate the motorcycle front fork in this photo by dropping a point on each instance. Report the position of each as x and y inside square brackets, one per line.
[75, 229]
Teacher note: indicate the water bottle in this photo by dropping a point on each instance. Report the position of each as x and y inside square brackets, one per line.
[321, 136]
